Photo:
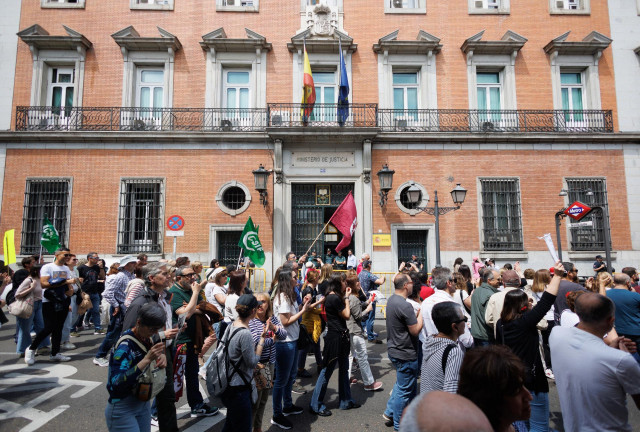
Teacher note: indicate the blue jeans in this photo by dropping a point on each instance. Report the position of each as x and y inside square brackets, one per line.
[539, 420]
[94, 312]
[23, 325]
[404, 390]
[286, 364]
[72, 316]
[113, 333]
[369, 322]
[344, 391]
[238, 403]
[38, 322]
[128, 415]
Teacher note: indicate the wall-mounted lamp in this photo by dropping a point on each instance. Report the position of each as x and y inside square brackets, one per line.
[260, 177]
[385, 177]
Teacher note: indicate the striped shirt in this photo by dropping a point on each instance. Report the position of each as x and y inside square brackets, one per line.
[269, 350]
[432, 378]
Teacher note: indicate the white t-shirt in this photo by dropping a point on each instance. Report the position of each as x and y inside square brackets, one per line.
[55, 271]
[210, 291]
[230, 312]
[282, 305]
[568, 318]
[460, 301]
[593, 381]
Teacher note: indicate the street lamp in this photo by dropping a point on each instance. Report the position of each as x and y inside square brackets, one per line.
[605, 219]
[260, 177]
[385, 177]
[458, 194]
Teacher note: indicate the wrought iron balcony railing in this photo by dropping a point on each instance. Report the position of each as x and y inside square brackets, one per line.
[583, 121]
[140, 119]
[322, 115]
[286, 115]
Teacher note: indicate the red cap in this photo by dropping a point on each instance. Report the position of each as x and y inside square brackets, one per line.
[551, 270]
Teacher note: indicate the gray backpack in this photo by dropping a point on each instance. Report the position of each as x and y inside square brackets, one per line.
[218, 373]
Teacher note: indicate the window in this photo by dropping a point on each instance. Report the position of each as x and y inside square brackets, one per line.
[150, 95]
[60, 90]
[326, 95]
[501, 218]
[588, 238]
[236, 89]
[329, 3]
[45, 198]
[402, 200]
[62, 3]
[405, 95]
[140, 222]
[152, 4]
[237, 5]
[405, 6]
[412, 242]
[233, 198]
[228, 249]
[579, 7]
[489, 95]
[572, 96]
[489, 6]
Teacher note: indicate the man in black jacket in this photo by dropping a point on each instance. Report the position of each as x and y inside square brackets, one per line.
[156, 277]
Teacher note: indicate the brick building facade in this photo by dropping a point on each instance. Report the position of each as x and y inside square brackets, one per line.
[135, 111]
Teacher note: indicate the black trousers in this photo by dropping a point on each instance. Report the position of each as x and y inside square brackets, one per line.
[166, 400]
[53, 323]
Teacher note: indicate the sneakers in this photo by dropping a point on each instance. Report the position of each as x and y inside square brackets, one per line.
[59, 358]
[388, 421]
[292, 410]
[101, 361]
[99, 332]
[353, 380]
[67, 346]
[549, 374]
[154, 421]
[204, 410]
[297, 389]
[29, 356]
[281, 421]
[74, 334]
[373, 387]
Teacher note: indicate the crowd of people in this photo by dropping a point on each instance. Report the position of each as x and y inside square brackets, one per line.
[486, 340]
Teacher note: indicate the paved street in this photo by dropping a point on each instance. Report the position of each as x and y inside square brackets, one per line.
[50, 397]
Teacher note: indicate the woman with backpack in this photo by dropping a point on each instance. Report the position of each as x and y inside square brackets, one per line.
[128, 408]
[243, 358]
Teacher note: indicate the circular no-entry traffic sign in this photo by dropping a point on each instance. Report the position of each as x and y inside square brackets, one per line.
[175, 223]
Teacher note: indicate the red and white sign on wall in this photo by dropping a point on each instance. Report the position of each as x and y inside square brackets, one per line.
[577, 210]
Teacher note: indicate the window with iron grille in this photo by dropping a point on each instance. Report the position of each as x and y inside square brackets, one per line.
[140, 225]
[587, 238]
[233, 198]
[44, 197]
[501, 216]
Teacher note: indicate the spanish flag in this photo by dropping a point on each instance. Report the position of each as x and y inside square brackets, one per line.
[308, 89]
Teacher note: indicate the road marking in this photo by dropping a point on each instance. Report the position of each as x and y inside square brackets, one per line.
[18, 378]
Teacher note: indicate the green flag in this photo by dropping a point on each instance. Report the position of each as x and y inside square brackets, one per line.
[49, 239]
[250, 242]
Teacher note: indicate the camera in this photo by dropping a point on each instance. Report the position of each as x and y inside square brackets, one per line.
[158, 337]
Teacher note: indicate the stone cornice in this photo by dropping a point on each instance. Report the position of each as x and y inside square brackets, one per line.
[218, 41]
[128, 38]
[425, 43]
[593, 44]
[316, 44]
[509, 44]
[38, 38]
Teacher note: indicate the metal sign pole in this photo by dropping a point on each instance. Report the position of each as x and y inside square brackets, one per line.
[175, 242]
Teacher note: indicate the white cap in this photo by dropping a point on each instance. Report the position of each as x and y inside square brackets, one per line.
[126, 260]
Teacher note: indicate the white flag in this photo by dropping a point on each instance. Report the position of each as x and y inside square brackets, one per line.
[552, 249]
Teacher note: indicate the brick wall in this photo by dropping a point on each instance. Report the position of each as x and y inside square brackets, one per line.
[364, 20]
[192, 179]
[541, 175]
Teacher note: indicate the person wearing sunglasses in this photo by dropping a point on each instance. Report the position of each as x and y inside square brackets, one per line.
[442, 354]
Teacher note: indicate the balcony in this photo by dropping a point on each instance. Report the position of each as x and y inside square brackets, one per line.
[284, 115]
[495, 121]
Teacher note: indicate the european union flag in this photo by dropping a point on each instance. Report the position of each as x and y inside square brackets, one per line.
[343, 92]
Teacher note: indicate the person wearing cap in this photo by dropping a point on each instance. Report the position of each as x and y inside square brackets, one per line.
[599, 265]
[370, 282]
[511, 281]
[244, 354]
[115, 294]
